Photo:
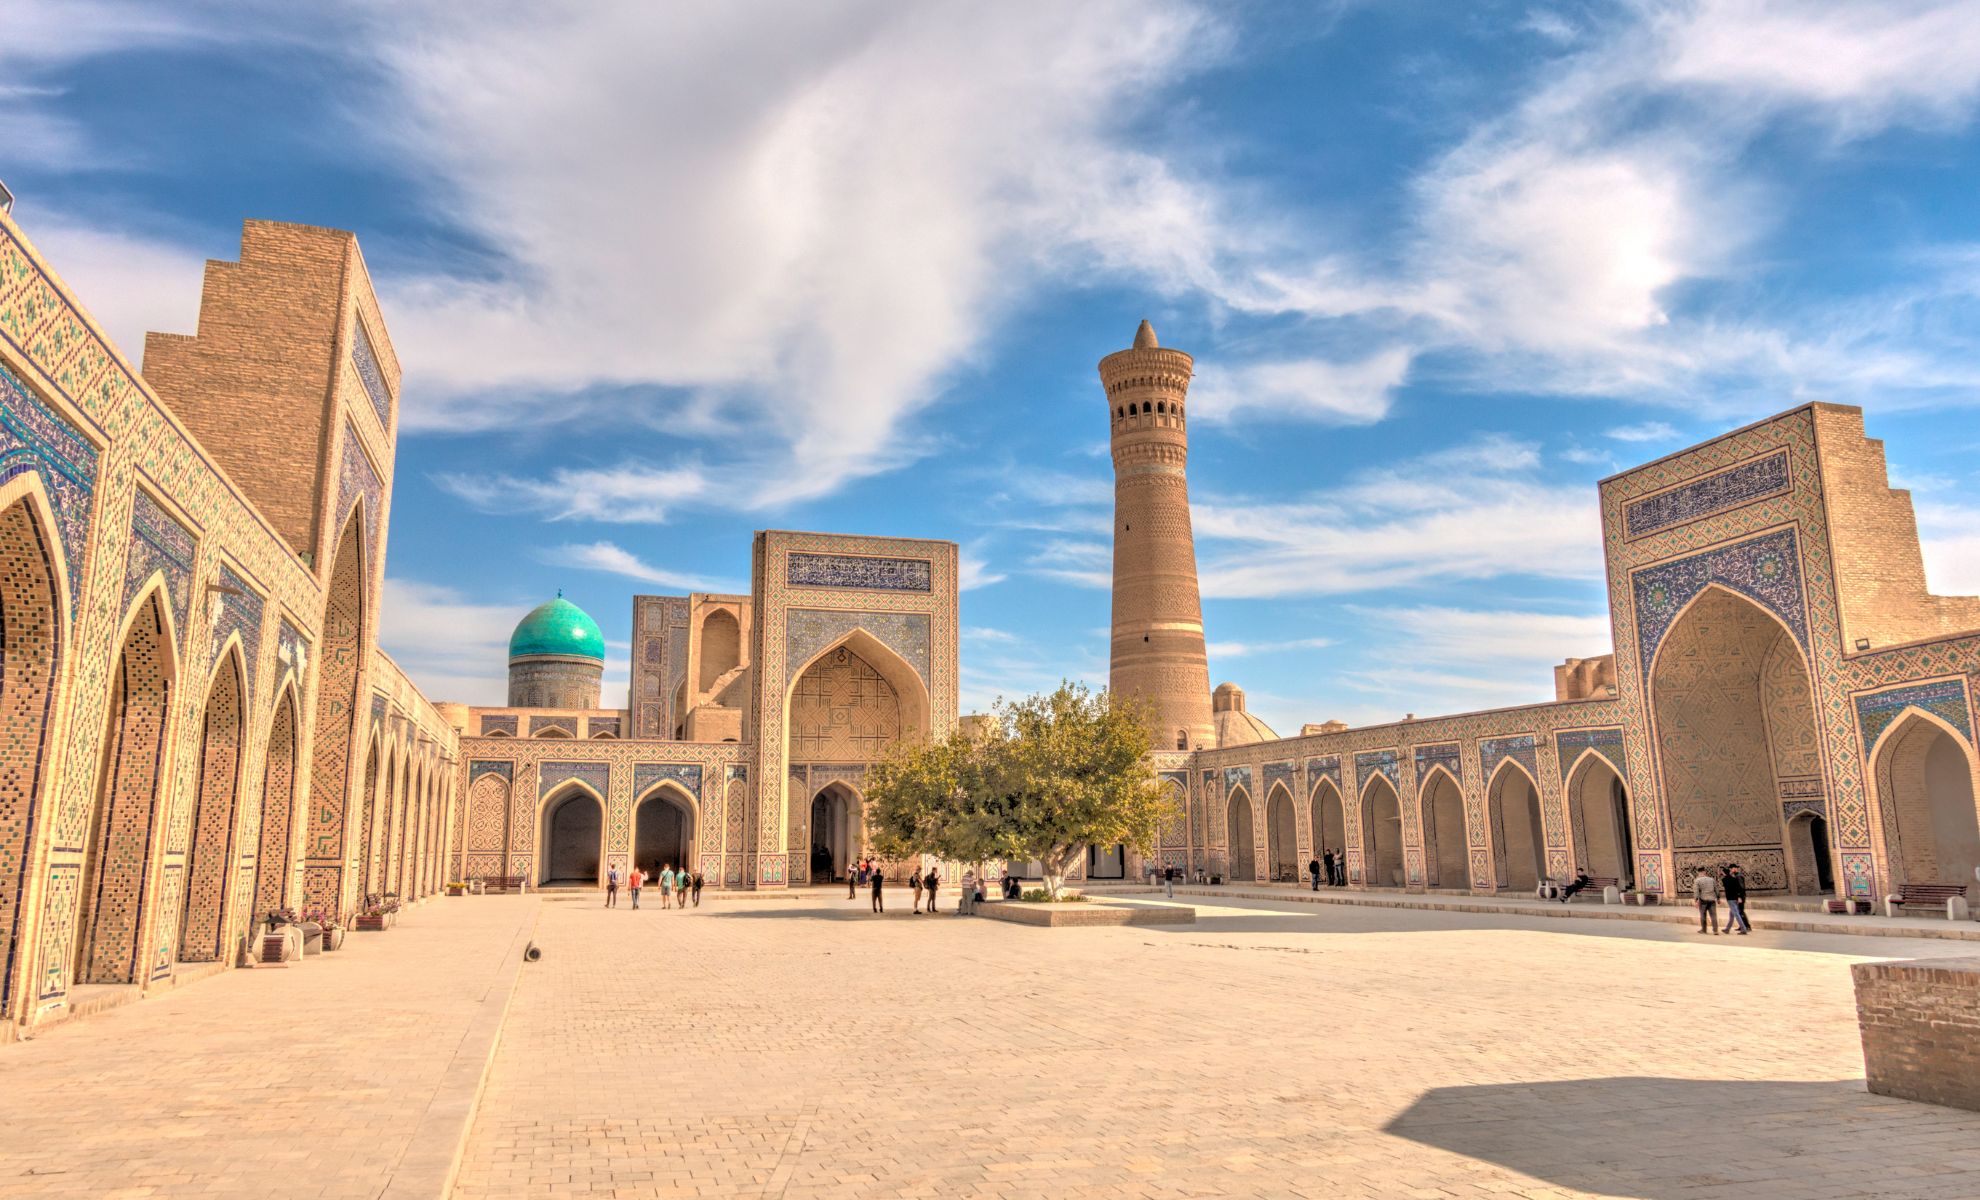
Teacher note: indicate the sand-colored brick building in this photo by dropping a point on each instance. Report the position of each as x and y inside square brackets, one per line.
[199, 726]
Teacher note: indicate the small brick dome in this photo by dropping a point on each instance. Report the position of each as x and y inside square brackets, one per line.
[557, 627]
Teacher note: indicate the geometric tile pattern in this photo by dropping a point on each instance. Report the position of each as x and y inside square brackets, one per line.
[552, 774]
[1571, 743]
[646, 775]
[859, 571]
[1943, 698]
[237, 614]
[34, 437]
[810, 630]
[159, 544]
[1765, 569]
[1708, 496]
[366, 365]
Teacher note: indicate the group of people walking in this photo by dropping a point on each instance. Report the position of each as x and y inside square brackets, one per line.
[1332, 865]
[1709, 887]
[677, 888]
[870, 875]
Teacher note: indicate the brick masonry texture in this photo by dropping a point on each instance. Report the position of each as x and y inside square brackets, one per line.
[199, 725]
[1921, 1029]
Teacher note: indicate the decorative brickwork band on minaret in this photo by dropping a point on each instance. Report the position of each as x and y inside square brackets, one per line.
[1158, 616]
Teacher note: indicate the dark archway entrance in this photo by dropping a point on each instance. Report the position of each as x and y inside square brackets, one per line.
[1443, 834]
[1329, 820]
[573, 830]
[1244, 860]
[1282, 836]
[1381, 834]
[1106, 862]
[1735, 731]
[1598, 808]
[1518, 846]
[835, 829]
[663, 831]
[1925, 794]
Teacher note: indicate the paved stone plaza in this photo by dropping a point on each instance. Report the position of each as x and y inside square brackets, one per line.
[799, 1047]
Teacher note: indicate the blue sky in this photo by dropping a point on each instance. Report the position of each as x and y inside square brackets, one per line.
[664, 274]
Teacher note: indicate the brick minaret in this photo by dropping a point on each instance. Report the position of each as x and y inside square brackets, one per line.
[1158, 617]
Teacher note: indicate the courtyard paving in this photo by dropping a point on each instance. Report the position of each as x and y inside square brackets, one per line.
[804, 1048]
[1273, 1049]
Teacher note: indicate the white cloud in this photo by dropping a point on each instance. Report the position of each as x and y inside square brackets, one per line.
[1248, 649]
[1949, 537]
[1648, 431]
[452, 648]
[624, 494]
[1340, 393]
[975, 570]
[133, 284]
[616, 560]
[1087, 564]
[1477, 510]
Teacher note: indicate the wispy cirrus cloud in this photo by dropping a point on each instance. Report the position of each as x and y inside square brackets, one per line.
[613, 559]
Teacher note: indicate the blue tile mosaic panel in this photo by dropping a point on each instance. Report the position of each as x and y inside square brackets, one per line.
[491, 723]
[1765, 569]
[33, 437]
[159, 543]
[1493, 751]
[1278, 772]
[1328, 767]
[1377, 762]
[366, 364]
[1608, 743]
[1237, 777]
[555, 774]
[1729, 489]
[647, 775]
[1444, 754]
[1945, 699]
[479, 767]
[238, 614]
[807, 631]
[357, 480]
[859, 571]
[291, 651]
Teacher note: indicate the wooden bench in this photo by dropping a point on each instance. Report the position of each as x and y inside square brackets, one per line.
[501, 883]
[1598, 886]
[1929, 895]
[1847, 906]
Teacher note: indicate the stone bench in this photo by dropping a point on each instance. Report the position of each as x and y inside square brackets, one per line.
[1949, 898]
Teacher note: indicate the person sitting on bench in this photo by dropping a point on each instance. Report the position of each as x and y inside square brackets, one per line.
[1581, 881]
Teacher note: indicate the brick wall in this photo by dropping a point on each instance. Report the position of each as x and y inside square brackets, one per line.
[1920, 1022]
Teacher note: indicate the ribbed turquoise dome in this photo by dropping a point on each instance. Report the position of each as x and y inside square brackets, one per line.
[558, 627]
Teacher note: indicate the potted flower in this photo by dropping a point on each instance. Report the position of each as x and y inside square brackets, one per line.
[378, 914]
[456, 888]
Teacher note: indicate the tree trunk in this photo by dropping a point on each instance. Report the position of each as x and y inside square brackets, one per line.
[1058, 863]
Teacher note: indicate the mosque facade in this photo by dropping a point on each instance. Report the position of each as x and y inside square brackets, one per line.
[200, 728]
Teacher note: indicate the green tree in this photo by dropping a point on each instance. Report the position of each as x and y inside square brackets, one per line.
[1052, 775]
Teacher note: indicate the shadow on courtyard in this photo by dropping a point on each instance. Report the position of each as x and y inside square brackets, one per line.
[1658, 1138]
[1354, 919]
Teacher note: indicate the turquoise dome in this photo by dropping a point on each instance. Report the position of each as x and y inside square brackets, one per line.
[558, 627]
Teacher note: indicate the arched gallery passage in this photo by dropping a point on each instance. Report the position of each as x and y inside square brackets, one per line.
[1924, 773]
[216, 796]
[116, 860]
[1243, 843]
[1735, 734]
[1598, 809]
[30, 647]
[835, 824]
[1281, 836]
[1329, 819]
[1381, 833]
[573, 838]
[1444, 855]
[1519, 849]
[663, 830]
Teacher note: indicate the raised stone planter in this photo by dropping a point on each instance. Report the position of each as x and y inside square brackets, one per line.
[1920, 1022]
[1063, 916]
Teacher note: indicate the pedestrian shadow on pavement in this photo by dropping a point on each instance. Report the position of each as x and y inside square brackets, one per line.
[1661, 1139]
[1357, 919]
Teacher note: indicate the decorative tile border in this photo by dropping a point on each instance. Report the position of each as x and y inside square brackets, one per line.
[864, 572]
[34, 437]
[1709, 495]
[1944, 699]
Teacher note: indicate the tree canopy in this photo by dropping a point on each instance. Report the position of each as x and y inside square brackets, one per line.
[1045, 778]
